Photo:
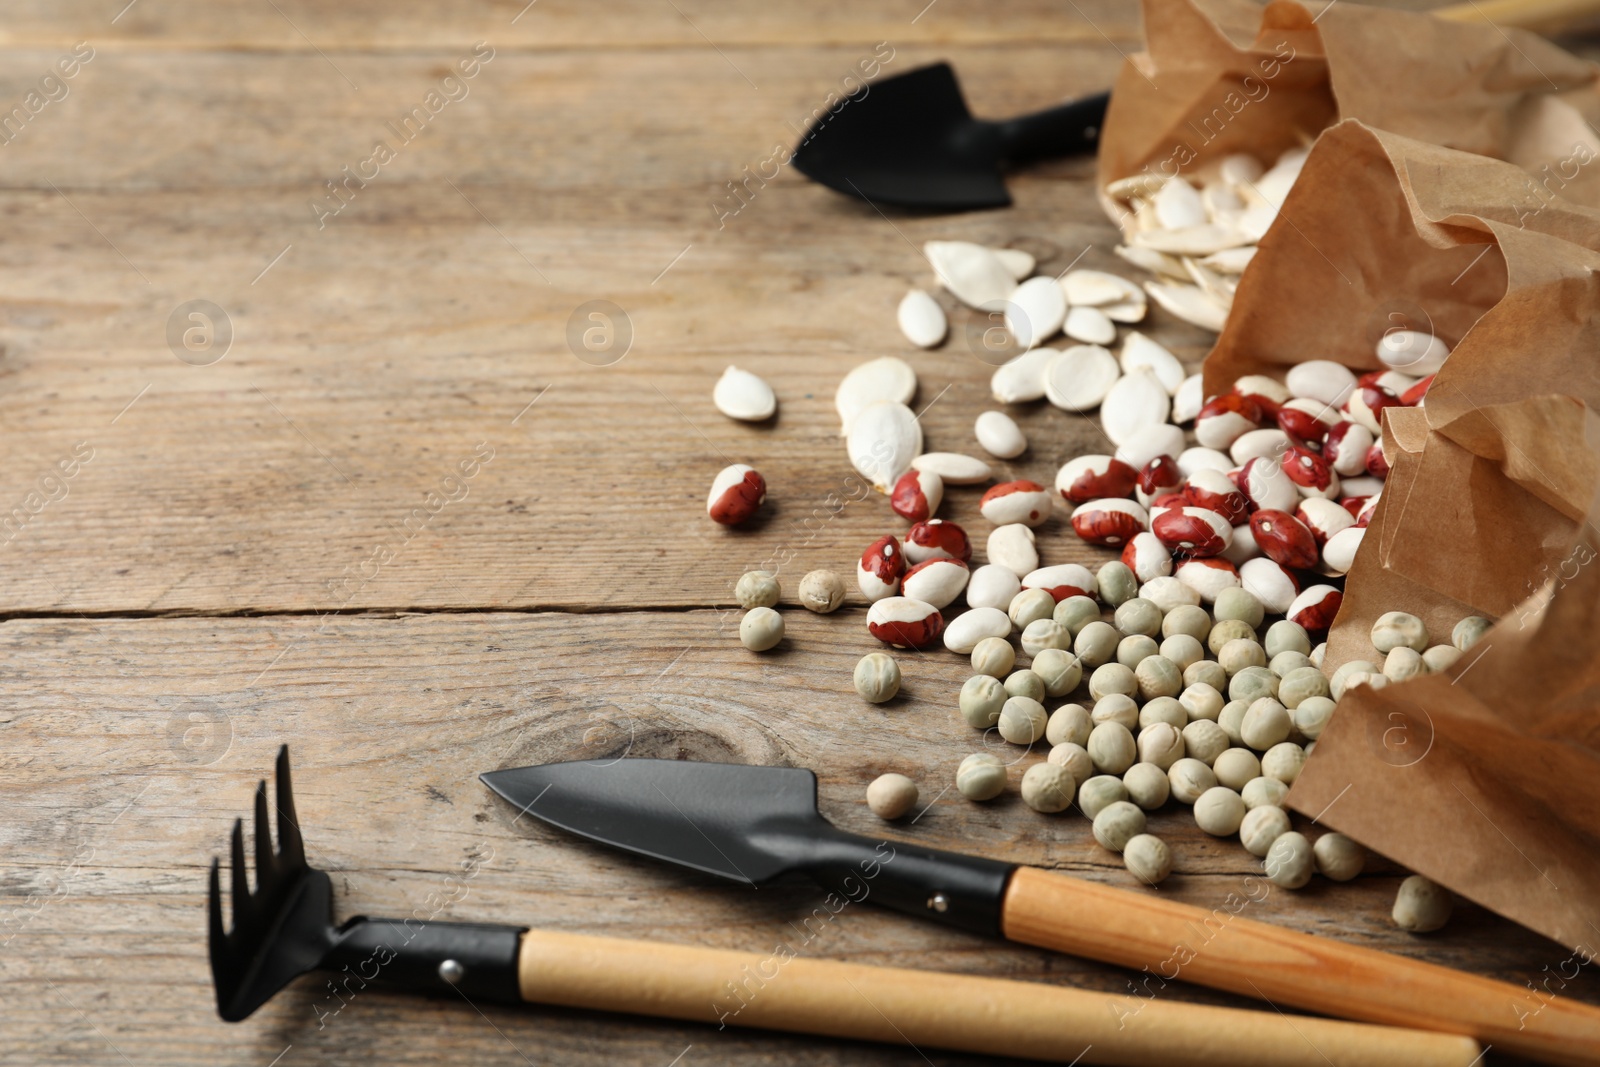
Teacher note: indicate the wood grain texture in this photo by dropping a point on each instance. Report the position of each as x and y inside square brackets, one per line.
[131, 745]
[557, 606]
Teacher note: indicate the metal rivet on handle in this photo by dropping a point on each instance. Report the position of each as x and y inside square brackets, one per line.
[452, 971]
[939, 902]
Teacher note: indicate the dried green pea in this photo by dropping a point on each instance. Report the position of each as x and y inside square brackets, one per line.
[1163, 709]
[1218, 811]
[1396, 628]
[1022, 720]
[1201, 701]
[1157, 676]
[1147, 858]
[1265, 724]
[1075, 758]
[1231, 717]
[1206, 672]
[1338, 857]
[1147, 785]
[877, 677]
[1116, 583]
[1312, 714]
[760, 629]
[1252, 684]
[1403, 663]
[1029, 606]
[1286, 636]
[1159, 743]
[1263, 790]
[1262, 826]
[1118, 708]
[821, 591]
[981, 776]
[1285, 662]
[1205, 741]
[1182, 650]
[1236, 603]
[1111, 748]
[1069, 724]
[891, 795]
[1041, 634]
[1283, 761]
[757, 589]
[1188, 620]
[1422, 906]
[1138, 616]
[1301, 684]
[1356, 666]
[1135, 649]
[1024, 683]
[1112, 678]
[1236, 768]
[1048, 788]
[982, 697]
[1189, 778]
[1227, 630]
[1469, 631]
[1289, 861]
[1240, 653]
[993, 656]
[1096, 793]
[1075, 613]
[1059, 669]
[1117, 823]
[1096, 643]
[1441, 658]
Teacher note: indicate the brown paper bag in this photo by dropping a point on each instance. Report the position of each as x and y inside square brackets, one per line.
[1383, 232]
[1485, 778]
[1222, 76]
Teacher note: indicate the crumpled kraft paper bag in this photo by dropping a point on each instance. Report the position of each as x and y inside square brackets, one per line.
[1384, 232]
[1485, 778]
[1221, 76]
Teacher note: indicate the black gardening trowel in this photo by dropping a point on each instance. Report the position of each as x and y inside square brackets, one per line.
[910, 141]
[760, 824]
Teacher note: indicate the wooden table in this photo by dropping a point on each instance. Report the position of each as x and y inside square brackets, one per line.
[276, 541]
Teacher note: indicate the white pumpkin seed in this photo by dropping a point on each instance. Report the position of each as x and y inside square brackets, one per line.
[877, 380]
[999, 435]
[953, 468]
[741, 395]
[1022, 379]
[1188, 303]
[921, 319]
[1154, 262]
[1221, 202]
[1178, 206]
[1018, 262]
[1240, 168]
[1136, 400]
[1230, 260]
[1256, 221]
[884, 439]
[1194, 240]
[1096, 288]
[973, 274]
[1273, 186]
[1080, 377]
[1090, 326]
[1130, 312]
[1035, 311]
[1141, 353]
[1217, 288]
[1189, 399]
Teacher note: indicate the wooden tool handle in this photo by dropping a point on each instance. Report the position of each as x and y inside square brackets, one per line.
[783, 991]
[1167, 941]
[1542, 16]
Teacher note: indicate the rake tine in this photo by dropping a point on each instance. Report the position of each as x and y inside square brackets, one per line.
[215, 934]
[241, 882]
[291, 847]
[266, 863]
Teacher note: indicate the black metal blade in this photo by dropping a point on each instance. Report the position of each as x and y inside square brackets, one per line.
[721, 818]
[907, 140]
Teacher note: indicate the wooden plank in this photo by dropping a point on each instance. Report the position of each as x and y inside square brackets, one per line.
[374, 355]
[122, 776]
